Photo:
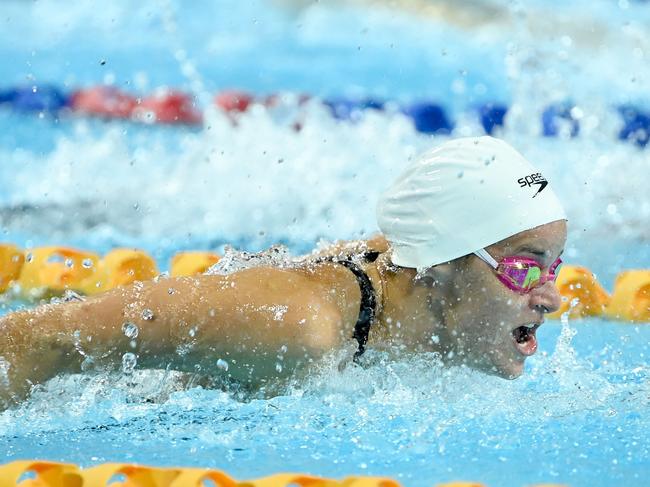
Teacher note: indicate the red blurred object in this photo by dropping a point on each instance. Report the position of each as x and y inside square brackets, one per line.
[167, 107]
[104, 101]
[233, 101]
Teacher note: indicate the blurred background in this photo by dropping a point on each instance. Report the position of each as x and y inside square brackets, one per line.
[331, 101]
[171, 125]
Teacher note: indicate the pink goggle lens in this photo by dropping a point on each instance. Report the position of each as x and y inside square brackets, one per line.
[522, 274]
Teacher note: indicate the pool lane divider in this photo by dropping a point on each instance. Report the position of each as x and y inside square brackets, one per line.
[46, 272]
[35, 473]
[172, 106]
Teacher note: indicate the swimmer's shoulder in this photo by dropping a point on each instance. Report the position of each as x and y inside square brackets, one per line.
[377, 244]
[303, 303]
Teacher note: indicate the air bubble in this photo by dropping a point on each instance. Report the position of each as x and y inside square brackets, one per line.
[87, 263]
[222, 364]
[147, 314]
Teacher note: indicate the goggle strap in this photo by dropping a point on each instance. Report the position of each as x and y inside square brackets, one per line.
[487, 258]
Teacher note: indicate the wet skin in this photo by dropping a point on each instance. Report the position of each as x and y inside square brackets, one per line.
[471, 315]
[302, 312]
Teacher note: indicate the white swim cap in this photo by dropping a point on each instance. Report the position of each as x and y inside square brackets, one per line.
[461, 197]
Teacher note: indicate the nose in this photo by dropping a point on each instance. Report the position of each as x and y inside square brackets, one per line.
[545, 298]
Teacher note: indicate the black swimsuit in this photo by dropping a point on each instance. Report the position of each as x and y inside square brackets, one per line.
[368, 305]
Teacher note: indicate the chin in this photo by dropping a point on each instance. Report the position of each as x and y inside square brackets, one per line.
[511, 371]
[505, 369]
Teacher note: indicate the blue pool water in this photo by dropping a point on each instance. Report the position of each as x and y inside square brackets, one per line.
[579, 415]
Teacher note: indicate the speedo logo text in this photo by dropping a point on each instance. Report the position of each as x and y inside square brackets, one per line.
[537, 179]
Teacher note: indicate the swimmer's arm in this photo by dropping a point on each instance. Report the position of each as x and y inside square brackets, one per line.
[252, 320]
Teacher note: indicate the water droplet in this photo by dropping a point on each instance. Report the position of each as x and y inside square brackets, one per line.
[279, 312]
[147, 314]
[183, 349]
[87, 364]
[129, 361]
[69, 295]
[162, 275]
[222, 364]
[29, 257]
[131, 330]
[69, 263]
[87, 263]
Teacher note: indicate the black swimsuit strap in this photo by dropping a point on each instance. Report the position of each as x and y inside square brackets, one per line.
[368, 304]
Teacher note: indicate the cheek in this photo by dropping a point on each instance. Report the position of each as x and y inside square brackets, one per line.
[480, 292]
[484, 302]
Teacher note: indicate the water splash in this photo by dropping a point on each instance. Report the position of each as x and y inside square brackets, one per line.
[236, 260]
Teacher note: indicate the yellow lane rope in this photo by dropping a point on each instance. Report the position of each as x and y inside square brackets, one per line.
[50, 271]
[35, 473]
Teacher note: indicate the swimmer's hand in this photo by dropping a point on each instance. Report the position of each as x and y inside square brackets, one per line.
[25, 359]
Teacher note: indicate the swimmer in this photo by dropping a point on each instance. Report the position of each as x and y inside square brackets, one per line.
[471, 241]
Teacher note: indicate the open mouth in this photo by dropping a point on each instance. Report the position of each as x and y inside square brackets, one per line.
[525, 339]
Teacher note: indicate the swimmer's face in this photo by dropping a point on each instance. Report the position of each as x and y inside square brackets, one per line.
[484, 318]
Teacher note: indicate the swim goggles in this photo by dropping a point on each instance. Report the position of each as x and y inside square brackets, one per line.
[520, 274]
